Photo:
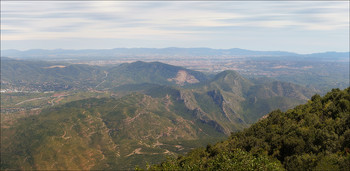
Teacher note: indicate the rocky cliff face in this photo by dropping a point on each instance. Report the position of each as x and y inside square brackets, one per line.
[183, 77]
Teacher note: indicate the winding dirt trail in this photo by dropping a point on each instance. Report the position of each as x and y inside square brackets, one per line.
[63, 136]
[38, 98]
[103, 78]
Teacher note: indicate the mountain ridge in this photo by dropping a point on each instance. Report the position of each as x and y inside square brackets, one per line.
[158, 51]
[154, 118]
[312, 136]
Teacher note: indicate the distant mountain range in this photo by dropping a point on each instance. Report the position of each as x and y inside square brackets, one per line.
[172, 51]
[166, 110]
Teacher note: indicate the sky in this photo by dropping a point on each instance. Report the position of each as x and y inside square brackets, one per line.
[294, 26]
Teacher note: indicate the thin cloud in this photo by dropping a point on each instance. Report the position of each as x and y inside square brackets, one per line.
[177, 20]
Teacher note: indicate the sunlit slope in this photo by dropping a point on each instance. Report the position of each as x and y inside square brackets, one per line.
[102, 134]
[120, 133]
[153, 120]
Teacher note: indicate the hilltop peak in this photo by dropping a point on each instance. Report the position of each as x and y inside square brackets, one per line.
[230, 81]
[226, 73]
[230, 77]
[153, 72]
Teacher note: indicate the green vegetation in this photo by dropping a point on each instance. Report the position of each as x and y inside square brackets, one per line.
[211, 159]
[143, 72]
[48, 76]
[323, 75]
[149, 118]
[313, 136]
[24, 101]
[103, 133]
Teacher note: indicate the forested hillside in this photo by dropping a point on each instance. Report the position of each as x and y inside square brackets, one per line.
[47, 76]
[313, 136]
[155, 111]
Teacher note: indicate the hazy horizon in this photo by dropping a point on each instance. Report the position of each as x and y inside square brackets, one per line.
[177, 48]
[292, 26]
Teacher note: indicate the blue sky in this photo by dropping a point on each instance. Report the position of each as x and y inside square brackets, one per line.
[295, 26]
